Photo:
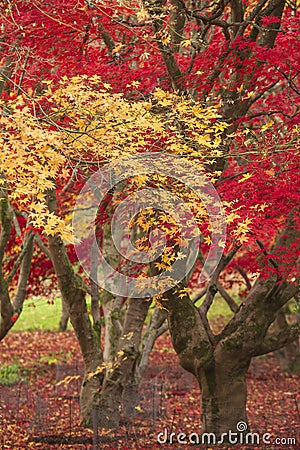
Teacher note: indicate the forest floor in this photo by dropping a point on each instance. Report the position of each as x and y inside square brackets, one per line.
[40, 376]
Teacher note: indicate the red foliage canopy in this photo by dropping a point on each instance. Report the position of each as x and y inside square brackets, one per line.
[247, 63]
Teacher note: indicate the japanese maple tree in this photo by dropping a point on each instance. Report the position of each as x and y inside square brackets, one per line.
[238, 56]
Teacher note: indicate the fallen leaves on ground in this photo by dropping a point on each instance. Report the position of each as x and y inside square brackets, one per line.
[41, 410]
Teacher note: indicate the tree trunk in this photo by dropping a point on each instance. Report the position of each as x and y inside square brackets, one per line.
[74, 296]
[64, 318]
[154, 329]
[91, 352]
[10, 310]
[223, 393]
[6, 309]
[131, 395]
[121, 370]
[288, 357]
[113, 314]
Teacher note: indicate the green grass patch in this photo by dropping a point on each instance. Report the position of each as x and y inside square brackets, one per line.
[10, 374]
[39, 315]
[219, 308]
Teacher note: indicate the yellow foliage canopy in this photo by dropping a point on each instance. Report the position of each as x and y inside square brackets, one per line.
[83, 125]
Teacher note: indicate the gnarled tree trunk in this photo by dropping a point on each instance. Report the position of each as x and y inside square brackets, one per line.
[223, 390]
[220, 362]
[121, 369]
[73, 294]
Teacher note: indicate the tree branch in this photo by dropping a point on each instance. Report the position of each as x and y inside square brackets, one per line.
[267, 38]
[191, 338]
[42, 246]
[251, 16]
[155, 10]
[5, 220]
[245, 276]
[45, 249]
[267, 296]
[275, 341]
[156, 328]
[177, 22]
[229, 300]
[24, 272]
[212, 285]
[27, 244]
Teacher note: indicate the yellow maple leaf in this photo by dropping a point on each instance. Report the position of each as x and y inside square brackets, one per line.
[270, 172]
[243, 238]
[162, 266]
[165, 40]
[207, 240]
[181, 255]
[245, 177]
[183, 292]
[186, 43]
[231, 217]
[142, 15]
[266, 126]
